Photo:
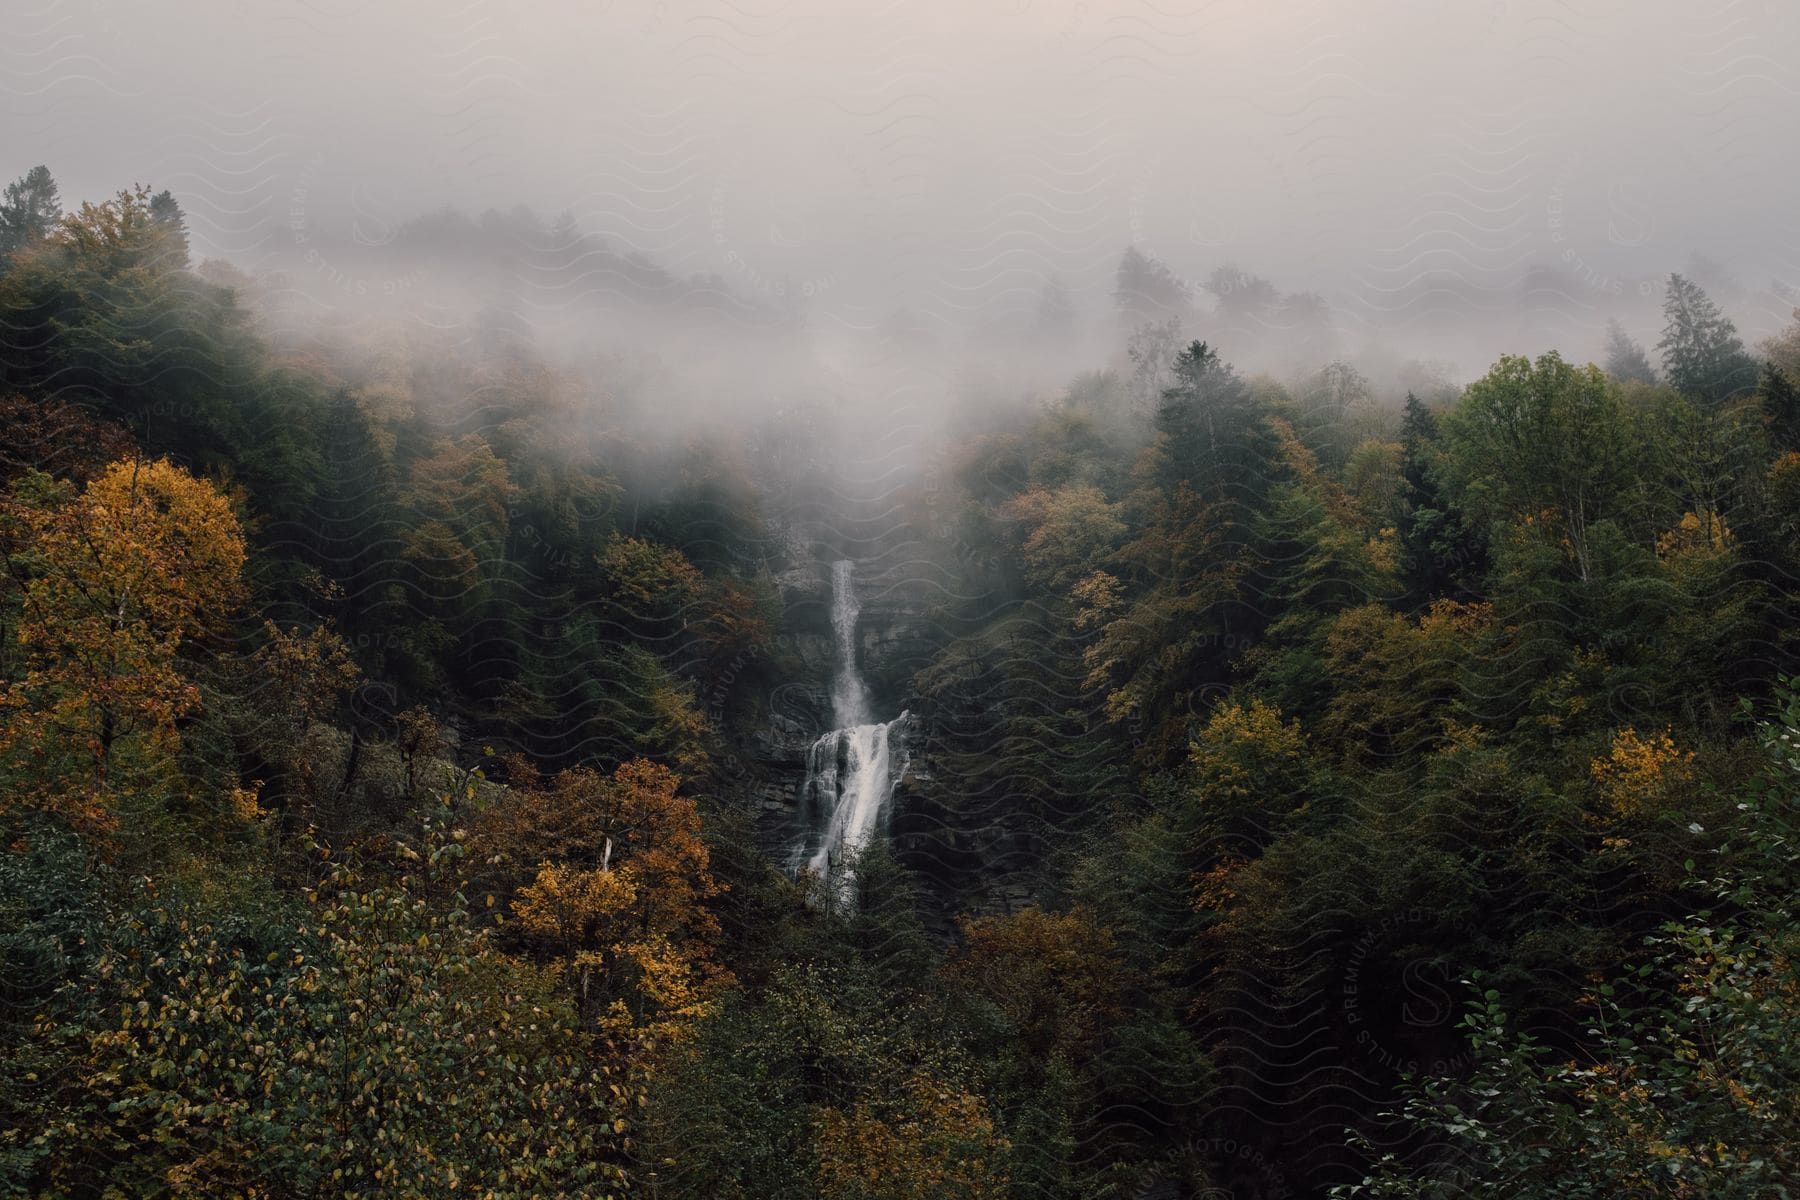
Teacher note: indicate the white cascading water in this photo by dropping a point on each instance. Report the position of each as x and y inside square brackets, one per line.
[849, 770]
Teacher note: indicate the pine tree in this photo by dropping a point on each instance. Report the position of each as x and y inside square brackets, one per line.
[1434, 546]
[1702, 354]
[31, 207]
[1625, 359]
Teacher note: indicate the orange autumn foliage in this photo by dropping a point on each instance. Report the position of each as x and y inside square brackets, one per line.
[1241, 748]
[1694, 534]
[939, 1142]
[652, 584]
[114, 581]
[1056, 976]
[57, 438]
[1638, 772]
[1394, 676]
[619, 897]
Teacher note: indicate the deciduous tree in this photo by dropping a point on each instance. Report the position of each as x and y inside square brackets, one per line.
[116, 579]
[1537, 440]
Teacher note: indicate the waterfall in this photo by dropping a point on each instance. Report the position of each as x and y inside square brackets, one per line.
[849, 698]
[849, 771]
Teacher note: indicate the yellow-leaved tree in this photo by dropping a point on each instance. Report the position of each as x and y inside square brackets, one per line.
[934, 1143]
[1641, 774]
[112, 582]
[619, 898]
[1056, 977]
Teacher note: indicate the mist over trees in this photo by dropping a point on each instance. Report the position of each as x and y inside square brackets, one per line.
[1327, 767]
[1701, 352]
[1625, 359]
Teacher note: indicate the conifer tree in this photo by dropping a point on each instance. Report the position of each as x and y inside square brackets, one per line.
[31, 207]
[1146, 291]
[1702, 354]
[1625, 359]
[166, 215]
[1780, 407]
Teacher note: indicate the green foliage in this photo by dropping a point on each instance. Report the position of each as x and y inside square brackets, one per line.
[30, 210]
[745, 1111]
[1701, 353]
[1263, 715]
[1564, 554]
[377, 1046]
[1625, 359]
[1691, 1088]
[1440, 555]
[1210, 435]
[1779, 399]
[1541, 444]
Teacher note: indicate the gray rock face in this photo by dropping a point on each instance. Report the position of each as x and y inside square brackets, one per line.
[799, 709]
[896, 637]
[893, 641]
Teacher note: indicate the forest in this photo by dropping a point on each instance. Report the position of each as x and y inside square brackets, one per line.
[1317, 785]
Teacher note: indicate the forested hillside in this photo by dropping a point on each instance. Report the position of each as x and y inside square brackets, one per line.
[1316, 784]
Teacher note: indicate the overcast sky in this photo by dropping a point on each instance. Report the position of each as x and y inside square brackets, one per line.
[949, 155]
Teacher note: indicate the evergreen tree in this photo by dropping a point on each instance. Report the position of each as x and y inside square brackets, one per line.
[166, 215]
[1243, 298]
[1439, 554]
[1418, 430]
[31, 207]
[1146, 291]
[1204, 419]
[1625, 359]
[1780, 407]
[1701, 351]
[1248, 309]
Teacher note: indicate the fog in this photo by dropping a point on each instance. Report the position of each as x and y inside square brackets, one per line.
[839, 189]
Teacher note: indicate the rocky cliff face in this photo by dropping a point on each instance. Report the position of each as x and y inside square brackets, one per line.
[894, 639]
[963, 867]
[799, 709]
